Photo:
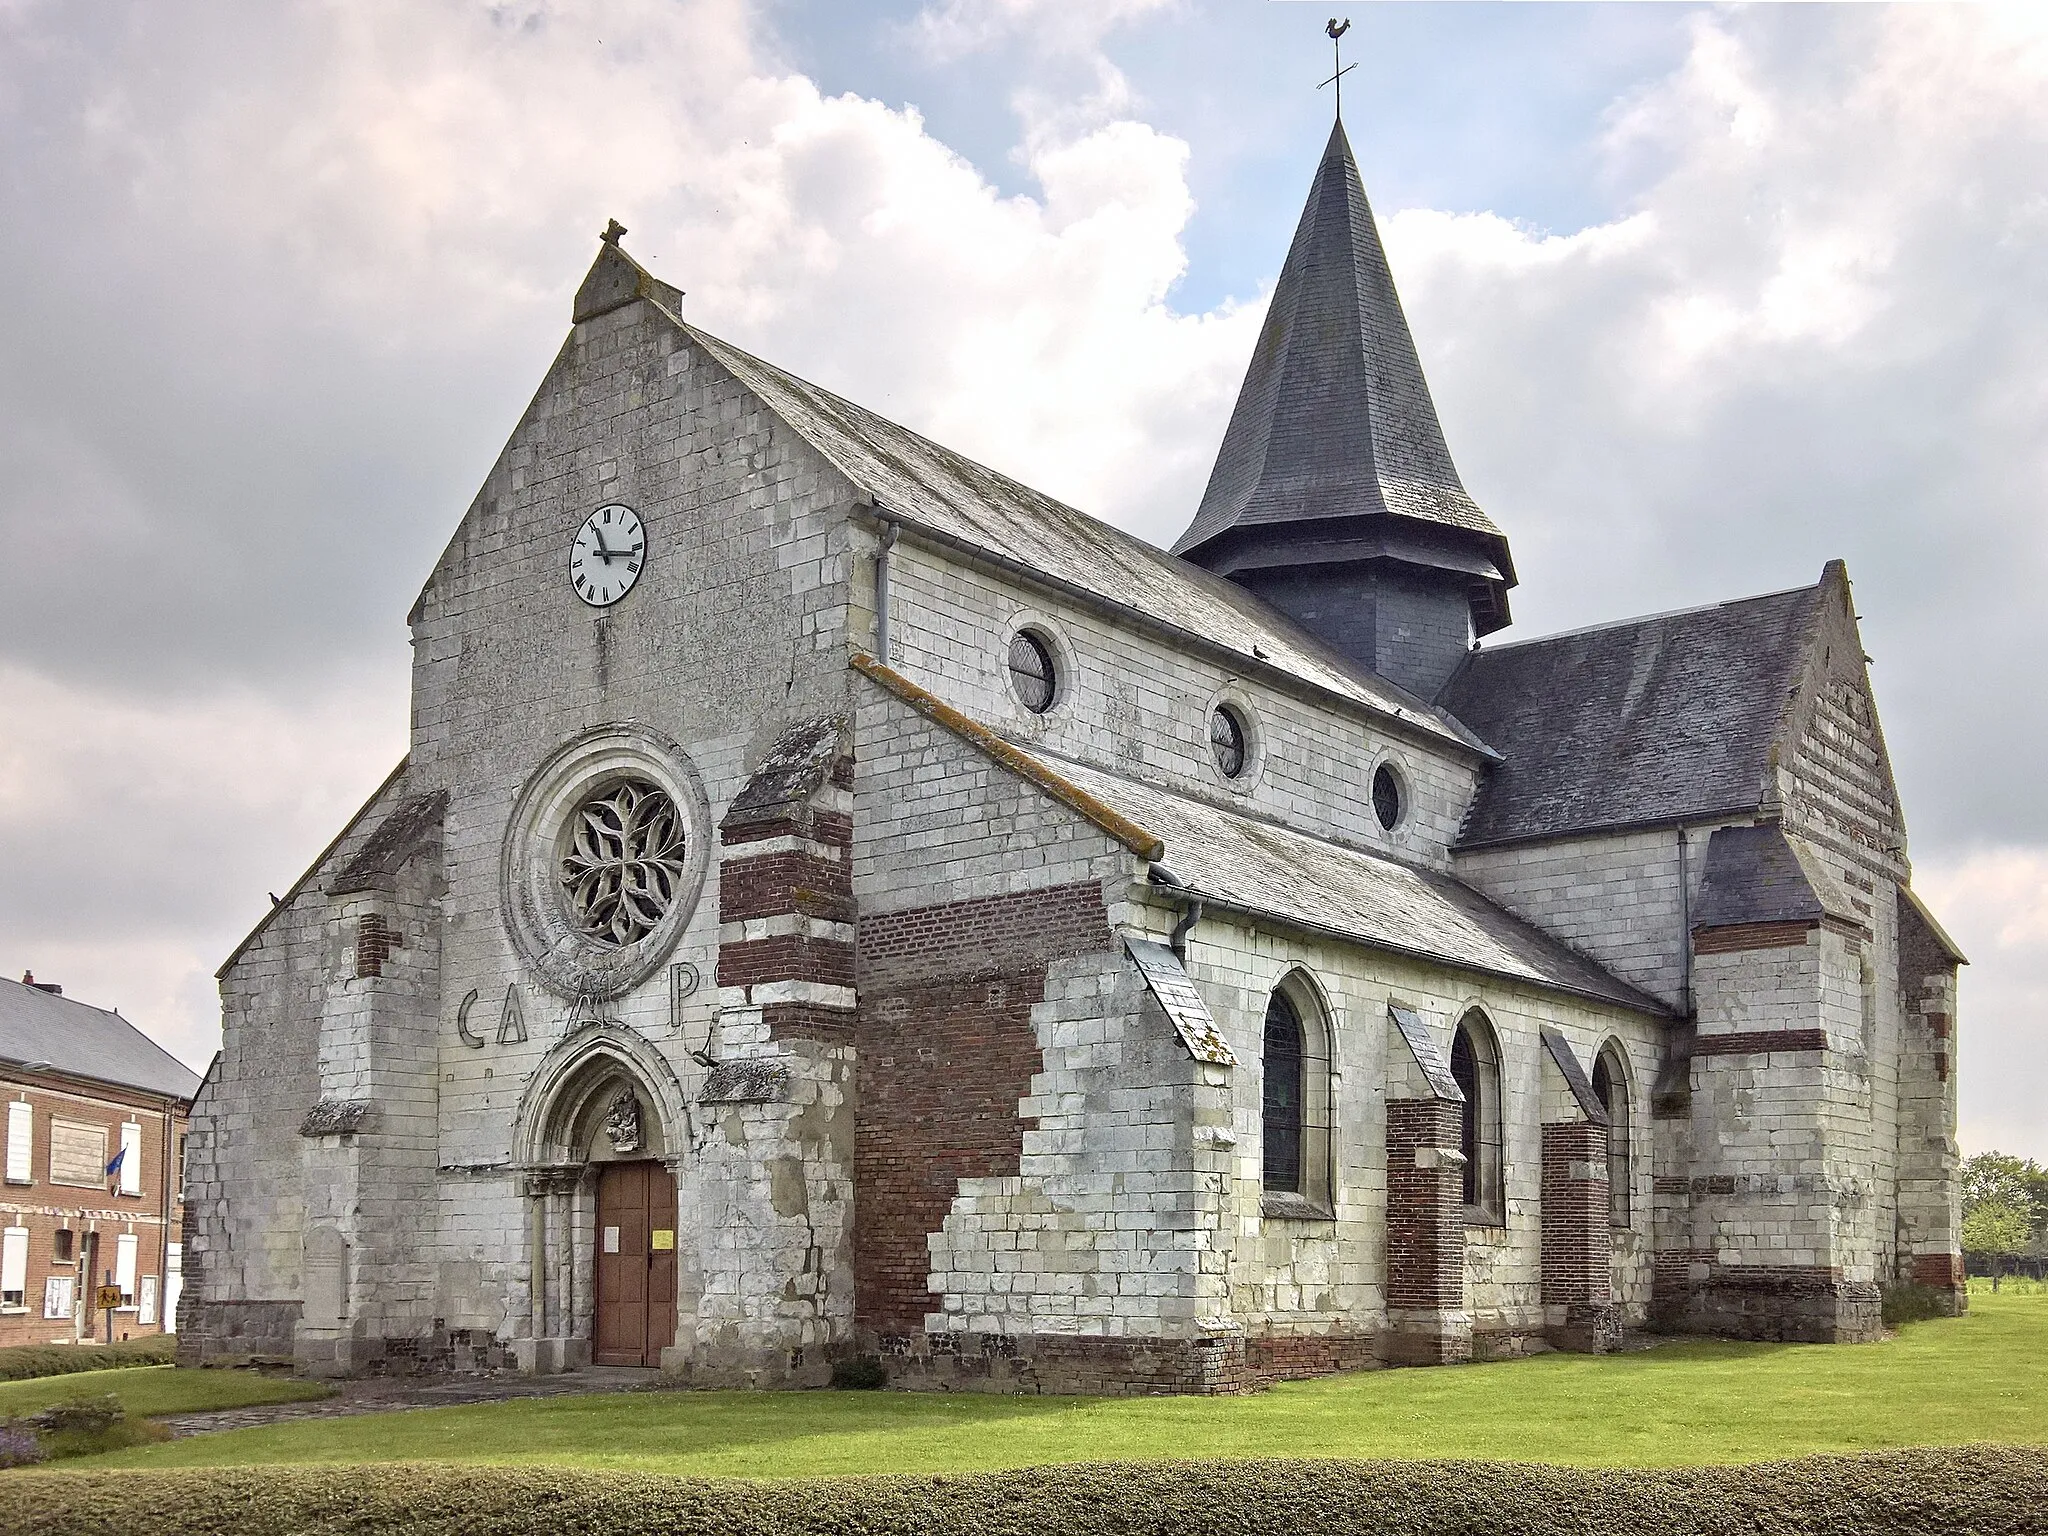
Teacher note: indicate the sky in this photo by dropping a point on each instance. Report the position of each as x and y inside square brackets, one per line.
[1707, 296]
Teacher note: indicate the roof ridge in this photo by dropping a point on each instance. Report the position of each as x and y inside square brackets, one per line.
[1644, 618]
[1379, 693]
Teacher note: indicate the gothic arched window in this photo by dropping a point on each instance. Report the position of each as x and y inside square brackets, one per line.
[1295, 1108]
[1610, 1086]
[1475, 1063]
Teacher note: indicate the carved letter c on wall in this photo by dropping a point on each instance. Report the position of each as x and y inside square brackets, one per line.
[476, 1042]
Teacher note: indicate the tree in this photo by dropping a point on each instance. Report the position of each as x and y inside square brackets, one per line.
[1999, 1230]
[1999, 1178]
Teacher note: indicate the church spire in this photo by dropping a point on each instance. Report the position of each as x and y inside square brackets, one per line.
[1334, 495]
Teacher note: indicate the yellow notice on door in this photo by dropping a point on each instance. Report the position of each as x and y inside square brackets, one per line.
[662, 1240]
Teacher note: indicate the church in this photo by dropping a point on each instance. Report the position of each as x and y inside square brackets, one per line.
[841, 904]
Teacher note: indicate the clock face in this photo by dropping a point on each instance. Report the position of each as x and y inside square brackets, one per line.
[606, 557]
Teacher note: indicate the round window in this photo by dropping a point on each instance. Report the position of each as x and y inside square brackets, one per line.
[1226, 740]
[624, 862]
[1386, 796]
[1031, 671]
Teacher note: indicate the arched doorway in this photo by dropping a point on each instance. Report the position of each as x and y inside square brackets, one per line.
[602, 1136]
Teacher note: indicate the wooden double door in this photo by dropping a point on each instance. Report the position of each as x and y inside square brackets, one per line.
[636, 1264]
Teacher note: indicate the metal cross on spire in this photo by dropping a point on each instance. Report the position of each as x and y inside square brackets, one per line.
[1336, 31]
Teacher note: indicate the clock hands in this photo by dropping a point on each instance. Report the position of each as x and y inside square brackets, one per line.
[605, 553]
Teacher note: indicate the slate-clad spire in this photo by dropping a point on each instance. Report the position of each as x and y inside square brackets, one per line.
[1334, 495]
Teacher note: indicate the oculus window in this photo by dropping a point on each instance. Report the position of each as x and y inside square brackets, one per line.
[1032, 673]
[1387, 799]
[1475, 1064]
[1227, 736]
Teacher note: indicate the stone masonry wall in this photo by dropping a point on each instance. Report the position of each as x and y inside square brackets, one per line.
[1137, 704]
[245, 1203]
[947, 1052]
[1929, 1173]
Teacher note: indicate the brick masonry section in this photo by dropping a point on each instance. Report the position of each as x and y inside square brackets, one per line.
[1294, 1356]
[947, 1048]
[1578, 1245]
[1067, 1363]
[1792, 1304]
[1749, 1041]
[375, 940]
[1740, 936]
[1425, 1226]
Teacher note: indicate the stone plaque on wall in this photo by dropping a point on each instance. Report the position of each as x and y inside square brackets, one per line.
[78, 1154]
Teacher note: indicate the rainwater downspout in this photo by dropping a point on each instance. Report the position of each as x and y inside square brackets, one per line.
[1684, 926]
[1191, 911]
[889, 532]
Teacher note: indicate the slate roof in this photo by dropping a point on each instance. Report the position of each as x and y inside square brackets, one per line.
[79, 1040]
[1650, 720]
[1257, 867]
[1334, 419]
[930, 487]
[1763, 874]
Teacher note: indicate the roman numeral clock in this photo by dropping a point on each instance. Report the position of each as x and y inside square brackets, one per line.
[606, 555]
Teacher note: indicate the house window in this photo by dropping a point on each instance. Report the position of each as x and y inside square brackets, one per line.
[1610, 1086]
[63, 1245]
[130, 1156]
[1032, 673]
[57, 1293]
[146, 1313]
[1475, 1063]
[124, 1267]
[14, 1269]
[1295, 1107]
[78, 1154]
[21, 1140]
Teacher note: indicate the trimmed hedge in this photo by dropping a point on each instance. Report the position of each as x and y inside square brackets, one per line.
[1981, 1490]
[26, 1362]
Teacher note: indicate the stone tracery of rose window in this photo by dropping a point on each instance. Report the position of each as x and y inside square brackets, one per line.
[625, 862]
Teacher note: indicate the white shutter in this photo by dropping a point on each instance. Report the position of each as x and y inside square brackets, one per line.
[174, 1284]
[14, 1266]
[131, 1161]
[124, 1266]
[21, 1140]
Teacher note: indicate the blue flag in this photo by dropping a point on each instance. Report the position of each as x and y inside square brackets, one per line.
[115, 1166]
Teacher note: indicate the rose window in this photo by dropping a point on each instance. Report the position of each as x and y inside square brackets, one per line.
[625, 862]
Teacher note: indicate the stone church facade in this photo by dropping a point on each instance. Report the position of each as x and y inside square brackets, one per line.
[841, 902]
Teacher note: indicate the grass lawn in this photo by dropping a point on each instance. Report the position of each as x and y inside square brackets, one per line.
[1980, 1377]
[151, 1390]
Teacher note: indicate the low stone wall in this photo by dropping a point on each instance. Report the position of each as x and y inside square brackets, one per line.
[235, 1332]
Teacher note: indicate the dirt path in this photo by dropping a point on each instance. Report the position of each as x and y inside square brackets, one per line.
[393, 1394]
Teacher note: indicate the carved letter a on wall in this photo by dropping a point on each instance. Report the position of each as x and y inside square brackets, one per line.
[512, 1023]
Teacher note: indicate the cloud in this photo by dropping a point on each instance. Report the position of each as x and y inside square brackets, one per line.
[950, 29]
[1999, 896]
[1817, 332]
[140, 836]
[278, 278]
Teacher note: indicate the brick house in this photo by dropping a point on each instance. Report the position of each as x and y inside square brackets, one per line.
[95, 1130]
[841, 901]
